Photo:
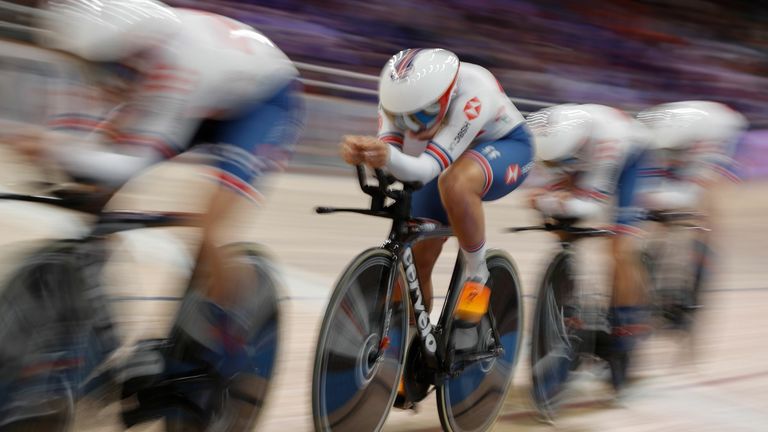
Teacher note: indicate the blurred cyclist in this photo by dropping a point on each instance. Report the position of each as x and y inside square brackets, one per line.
[591, 156]
[177, 77]
[470, 145]
[693, 145]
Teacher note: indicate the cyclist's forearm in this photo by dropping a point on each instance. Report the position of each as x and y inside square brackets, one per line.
[581, 208]
[408, 168]
[674, 196]
[100, 165]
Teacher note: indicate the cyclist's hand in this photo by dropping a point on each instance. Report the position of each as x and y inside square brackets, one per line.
[375, 152]
[549, 204]
[30, 143]
[351, 151]
[533, 197]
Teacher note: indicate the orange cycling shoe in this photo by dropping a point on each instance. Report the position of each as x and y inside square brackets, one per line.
[473, 301]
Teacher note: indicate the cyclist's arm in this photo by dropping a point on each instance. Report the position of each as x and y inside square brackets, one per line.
[594, 190]
[454, 137]
[422, 168]
[140, 141]
[706, 163]
[101, 165]
[151, 126]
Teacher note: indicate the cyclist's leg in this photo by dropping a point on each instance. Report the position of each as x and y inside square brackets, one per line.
[246, 147]
[488, 172]
[425, 255]
[426, 204]
[628, 314]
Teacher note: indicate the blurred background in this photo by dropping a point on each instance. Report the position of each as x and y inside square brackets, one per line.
[628, 54]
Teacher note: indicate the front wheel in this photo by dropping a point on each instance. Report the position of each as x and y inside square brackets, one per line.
[552, 351]
[230, 398]
[359, 360]
[472, 399]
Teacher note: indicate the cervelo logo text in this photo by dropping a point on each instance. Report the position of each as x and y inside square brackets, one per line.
[422, 317]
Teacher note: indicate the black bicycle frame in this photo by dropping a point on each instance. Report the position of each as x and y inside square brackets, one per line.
[109, 222]
[405, 231]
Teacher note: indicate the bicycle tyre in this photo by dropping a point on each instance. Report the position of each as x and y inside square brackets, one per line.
[675, 291]
[550, 339]
[56, 324]
[240, 404]
[472, 400]
[351, 391]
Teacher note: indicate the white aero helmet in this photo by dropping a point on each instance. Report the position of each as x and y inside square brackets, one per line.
[559, 132]
[677, 125]
[106, 30]
[416, 85]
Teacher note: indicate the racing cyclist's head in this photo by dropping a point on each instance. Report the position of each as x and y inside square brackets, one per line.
[560, 134]
[675, 127]
[416, 87]
[110, 33]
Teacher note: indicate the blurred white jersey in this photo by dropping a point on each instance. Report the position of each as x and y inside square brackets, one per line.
[211, 67]
[615, 136]
[221, 63]
[679, 174]
[593, 174]
[479, 112]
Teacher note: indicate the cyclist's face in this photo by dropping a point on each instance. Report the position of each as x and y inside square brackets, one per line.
[426, 134]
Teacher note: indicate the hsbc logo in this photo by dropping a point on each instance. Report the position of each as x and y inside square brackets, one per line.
[512, 174]
[472, 108]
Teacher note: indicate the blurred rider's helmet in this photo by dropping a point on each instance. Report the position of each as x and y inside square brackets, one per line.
[560, 132]
[416, 86]
[106, 30]
[678, 125]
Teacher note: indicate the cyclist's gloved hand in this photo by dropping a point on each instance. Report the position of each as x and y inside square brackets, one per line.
[350, 150]
[375, 152]
[549, 205]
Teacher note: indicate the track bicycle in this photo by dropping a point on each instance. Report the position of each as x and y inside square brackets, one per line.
[58, 332]
[566, 326]
[569, 327]
[363, 347]
[676, 257]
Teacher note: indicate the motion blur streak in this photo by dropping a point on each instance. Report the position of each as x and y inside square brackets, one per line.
[630, 55]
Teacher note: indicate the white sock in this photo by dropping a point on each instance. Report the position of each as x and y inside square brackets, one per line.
[476, 262]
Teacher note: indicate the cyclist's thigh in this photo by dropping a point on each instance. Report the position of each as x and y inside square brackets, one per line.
[627, 211]
[426, 203]
[259, 140]
[505, 162]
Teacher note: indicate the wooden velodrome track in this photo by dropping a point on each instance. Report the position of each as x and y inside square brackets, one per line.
[721, 384]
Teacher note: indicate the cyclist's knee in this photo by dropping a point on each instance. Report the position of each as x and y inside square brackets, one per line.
[463, 179]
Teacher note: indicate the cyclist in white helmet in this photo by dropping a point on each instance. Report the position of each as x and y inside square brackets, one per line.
[183, 77]
[591, 156]
[468, 144]
[693, 144]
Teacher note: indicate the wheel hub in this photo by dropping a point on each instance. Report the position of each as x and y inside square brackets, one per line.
[368, 359]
